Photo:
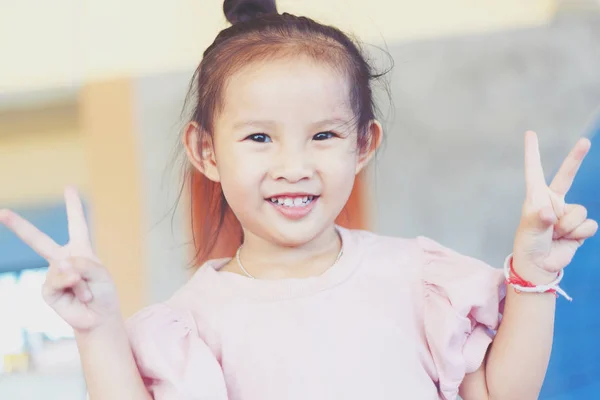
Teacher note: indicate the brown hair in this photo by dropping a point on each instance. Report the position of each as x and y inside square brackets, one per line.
[259, 33]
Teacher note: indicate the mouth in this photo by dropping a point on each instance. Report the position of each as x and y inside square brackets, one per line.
[293, 206]
[292, 200]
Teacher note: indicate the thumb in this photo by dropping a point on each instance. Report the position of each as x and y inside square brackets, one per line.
[88, 268]
[540, 220]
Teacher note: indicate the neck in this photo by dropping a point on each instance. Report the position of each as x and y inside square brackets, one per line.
[268, 260]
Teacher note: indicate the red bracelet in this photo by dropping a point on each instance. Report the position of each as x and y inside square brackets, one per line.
[515, 280]
[522, 286]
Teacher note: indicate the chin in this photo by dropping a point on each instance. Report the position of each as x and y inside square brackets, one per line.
[294, 233]
[294, 239]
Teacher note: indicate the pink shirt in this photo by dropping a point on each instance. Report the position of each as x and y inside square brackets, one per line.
[393, 318]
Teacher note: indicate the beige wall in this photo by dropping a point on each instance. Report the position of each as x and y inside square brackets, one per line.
[66, 42]
[41, 151]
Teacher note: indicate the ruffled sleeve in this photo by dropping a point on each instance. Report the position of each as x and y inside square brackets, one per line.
[173, 360]
[462, 310]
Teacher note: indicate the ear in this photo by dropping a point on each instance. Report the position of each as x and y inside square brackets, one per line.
[375, 135]
[200, 151]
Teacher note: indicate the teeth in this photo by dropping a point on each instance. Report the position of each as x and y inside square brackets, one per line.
[292, 201]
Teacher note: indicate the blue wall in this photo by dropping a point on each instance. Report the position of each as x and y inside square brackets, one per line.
[574, 371]
[16, 255]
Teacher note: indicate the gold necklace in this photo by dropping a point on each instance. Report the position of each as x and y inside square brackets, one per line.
[249, 275]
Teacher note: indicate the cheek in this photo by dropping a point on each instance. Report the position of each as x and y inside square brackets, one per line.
[240, 177]
[339, 172]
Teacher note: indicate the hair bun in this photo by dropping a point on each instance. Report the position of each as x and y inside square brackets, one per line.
[244, 10]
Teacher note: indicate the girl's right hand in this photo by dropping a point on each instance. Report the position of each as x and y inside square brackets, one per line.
[78, 287]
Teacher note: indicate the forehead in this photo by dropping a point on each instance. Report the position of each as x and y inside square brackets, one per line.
[298, 88]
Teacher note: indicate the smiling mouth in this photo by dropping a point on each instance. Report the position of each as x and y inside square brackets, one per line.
[293, 201]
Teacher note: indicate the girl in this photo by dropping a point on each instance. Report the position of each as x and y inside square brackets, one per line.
[284, 120]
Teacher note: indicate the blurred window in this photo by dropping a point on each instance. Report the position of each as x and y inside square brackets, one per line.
[29, 325]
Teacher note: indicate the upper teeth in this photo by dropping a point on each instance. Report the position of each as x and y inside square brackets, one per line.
[292, 201]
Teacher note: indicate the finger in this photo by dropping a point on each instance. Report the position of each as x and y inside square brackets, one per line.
[33, 237]
[78, 229]
[575, 215]
[57, 283]
[82, 291]
[584, 231]
[566, 173]
[540, 220]
[534, 173]
[60, 281]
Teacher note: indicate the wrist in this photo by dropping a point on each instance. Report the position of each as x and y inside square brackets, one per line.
[536, 275]
[108, 330]
[532, 273]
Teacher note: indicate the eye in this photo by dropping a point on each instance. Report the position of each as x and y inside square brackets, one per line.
[324, 135]
[259, 138]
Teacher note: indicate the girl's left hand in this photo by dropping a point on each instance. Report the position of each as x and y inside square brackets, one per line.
[550, 231]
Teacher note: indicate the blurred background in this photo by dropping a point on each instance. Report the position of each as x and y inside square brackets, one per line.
[91, 94]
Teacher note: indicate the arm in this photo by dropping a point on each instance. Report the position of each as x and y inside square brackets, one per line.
[520, 353]
[518, 357]
[79, 288]
[549, 234]
[108, 364]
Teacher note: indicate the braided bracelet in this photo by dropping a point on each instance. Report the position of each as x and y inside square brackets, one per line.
[521, 285]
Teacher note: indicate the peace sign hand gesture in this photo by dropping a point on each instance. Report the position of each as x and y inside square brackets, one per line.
[77, 286]
[550, 231]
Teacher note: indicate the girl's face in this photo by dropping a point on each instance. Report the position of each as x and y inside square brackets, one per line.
[285, 149]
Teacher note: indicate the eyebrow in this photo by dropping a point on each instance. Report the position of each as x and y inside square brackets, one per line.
[270, 123]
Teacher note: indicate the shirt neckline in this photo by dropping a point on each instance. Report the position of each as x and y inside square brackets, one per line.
[288, 287]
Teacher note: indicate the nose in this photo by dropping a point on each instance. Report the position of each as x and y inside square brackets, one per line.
[292, 165]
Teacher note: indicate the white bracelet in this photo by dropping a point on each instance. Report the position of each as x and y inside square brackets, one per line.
[539, 288]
